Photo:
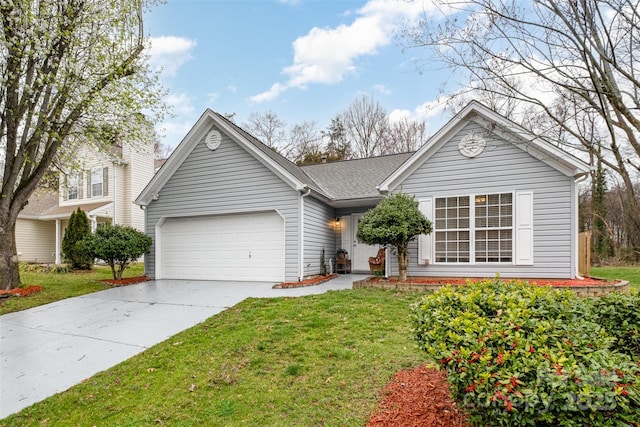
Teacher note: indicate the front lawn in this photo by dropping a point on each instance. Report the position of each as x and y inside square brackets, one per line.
[630, 273]
[59, 286]
[316, 360]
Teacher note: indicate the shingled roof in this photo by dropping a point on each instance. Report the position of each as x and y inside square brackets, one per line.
[43, 204]
[354, 179]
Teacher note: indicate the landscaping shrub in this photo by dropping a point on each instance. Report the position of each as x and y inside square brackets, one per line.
[118, 245]
[619, 314]
[77, 230]
[520, 355]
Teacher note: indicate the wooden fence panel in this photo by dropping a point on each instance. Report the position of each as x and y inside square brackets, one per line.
[584, 253]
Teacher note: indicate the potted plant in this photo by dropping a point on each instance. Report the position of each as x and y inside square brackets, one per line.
[342, 253]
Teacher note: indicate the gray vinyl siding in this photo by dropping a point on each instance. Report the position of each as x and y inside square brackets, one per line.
[319, 233]
[227, 180]
[501, 167]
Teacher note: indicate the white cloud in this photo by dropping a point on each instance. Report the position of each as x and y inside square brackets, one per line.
[174, 129]
[212, 97]
[180, 103]
[232, 89]
[328, 55]
[269, 95]
[382, 89]
[169, 53]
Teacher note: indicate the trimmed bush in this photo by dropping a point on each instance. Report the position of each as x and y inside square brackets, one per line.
[619, 314]
[118, 246]
[77, 230]
[523, 355]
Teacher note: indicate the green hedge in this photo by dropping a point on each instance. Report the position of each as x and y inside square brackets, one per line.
[518, 355]
[619, 314]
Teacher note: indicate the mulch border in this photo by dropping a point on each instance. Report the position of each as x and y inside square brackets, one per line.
[312, 281]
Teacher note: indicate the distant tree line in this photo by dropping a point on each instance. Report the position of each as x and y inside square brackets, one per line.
[363, 129]
[604, 211]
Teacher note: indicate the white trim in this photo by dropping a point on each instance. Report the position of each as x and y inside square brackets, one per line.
[472, 230]
[301, 233]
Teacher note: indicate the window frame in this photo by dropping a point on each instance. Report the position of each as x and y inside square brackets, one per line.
[473, 229]
[97, 173]
[72, 184]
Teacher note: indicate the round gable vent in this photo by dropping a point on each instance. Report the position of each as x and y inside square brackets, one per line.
[213, 139]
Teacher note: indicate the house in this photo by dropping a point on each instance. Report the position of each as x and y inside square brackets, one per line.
[225, 206]
[103, 184]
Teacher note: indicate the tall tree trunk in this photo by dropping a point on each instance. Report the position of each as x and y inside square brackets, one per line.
[403, 262]
[9, 272]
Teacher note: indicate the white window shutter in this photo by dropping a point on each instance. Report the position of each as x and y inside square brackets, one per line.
[345, 237]
[524, 228]
[425, 242]
[89, 184]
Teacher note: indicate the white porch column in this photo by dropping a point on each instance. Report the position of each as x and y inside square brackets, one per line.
[58, 258]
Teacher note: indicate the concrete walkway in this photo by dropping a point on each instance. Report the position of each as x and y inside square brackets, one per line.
[47, 349]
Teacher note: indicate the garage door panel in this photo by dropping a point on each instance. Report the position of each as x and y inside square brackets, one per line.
[228, 247]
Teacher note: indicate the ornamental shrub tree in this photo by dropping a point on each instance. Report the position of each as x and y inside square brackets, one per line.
[78, 230]
[119, 246]
[395, 222]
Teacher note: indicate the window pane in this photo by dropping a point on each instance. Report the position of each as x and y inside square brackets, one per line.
[96, 182]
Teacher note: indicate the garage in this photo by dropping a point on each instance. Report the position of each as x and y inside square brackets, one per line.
[242, 247]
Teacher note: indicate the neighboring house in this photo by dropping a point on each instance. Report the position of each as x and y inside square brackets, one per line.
[225, 206]
[103, 185]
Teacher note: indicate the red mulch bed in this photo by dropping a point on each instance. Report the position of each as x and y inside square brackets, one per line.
[316, 280]
[126, 281]
[418, 397]
[23, 292]
[587, 281]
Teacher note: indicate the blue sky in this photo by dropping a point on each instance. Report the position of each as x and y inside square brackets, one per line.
[304, 60]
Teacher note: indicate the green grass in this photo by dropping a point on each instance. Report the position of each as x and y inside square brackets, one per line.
[631, 273]
[59, 286]
[308, 361]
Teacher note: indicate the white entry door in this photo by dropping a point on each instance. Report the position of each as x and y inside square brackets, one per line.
[361, 251]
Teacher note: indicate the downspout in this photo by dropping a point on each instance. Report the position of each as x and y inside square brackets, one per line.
[301, 228]
[576, 219]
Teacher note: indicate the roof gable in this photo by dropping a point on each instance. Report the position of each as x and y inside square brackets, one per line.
[493, 122]
[280, 166]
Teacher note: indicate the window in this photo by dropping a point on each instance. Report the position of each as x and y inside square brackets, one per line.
[494, 232]
[478, 228]
[98, 182]
[72, 187]
[452, 229]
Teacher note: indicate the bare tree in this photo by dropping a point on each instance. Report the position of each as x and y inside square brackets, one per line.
[161, 150]
[268, 128]
[568, 64]
[366, 123]
[404, 136]
[305, 143]
[66, 66]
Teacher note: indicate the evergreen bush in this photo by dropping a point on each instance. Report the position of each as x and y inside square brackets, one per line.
[77, 230]
[118, 246]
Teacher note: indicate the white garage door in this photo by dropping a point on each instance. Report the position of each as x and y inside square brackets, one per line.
[224, 247]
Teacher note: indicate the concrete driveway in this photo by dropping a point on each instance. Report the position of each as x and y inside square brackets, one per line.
[47, 349]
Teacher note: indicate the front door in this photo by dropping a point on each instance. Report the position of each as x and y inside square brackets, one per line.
[361, 251]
